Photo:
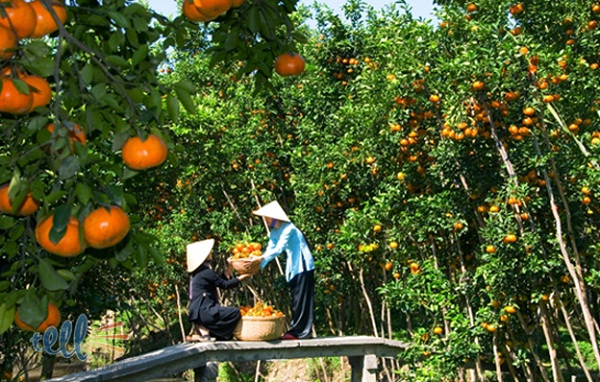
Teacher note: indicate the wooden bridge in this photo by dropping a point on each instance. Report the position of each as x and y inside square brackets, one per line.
[203, 358]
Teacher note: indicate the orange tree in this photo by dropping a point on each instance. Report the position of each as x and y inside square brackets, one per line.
[445, 176]
[81, 114]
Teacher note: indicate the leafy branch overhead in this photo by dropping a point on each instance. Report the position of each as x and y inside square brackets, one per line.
[247, 36]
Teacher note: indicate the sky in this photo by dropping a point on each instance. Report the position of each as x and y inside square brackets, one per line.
[420, 8]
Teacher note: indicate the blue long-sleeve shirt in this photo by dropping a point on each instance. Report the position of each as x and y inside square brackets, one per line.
[289, 239]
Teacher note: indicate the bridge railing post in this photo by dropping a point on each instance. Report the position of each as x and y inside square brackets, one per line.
[364, 368]
[207, 373]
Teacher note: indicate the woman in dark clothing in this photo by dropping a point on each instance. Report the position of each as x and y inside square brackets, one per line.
[209, 317]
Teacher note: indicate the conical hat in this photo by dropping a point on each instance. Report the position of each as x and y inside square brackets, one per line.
[197, 253]
[272, 210]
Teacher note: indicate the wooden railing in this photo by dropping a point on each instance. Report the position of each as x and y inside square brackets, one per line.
[203, 358]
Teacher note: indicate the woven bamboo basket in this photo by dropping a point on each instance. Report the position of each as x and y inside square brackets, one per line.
[240, 266]
[257, 328]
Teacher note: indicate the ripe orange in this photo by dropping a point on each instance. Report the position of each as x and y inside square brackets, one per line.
[510, 309]
[516, 9]
[11, 100]
[213, 8]
[490, 249]
[289, 64]
[478, 85]
[39, 89]
[509, 239]
[27, 207]
[434, 98]
[377, 227]
[529, 111]
[76, 134]
[190, 11]
[8, 42]
[393, 245]
[438, 330]
[103, 227]
[471, 7]
[45, 23]
[141, 155]
[388, 266]
[52, 319]
[20, 18]
[68, 246]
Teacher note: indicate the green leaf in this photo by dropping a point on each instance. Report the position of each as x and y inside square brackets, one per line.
[156, 255]
[173, 107]
[66, 274]
[124, 253]
[132, 37]
[186, 85]
[7, 316]
[87, 74]
[186, 100]
[62, 214]
[119, 19]
[51, 280]
[37, 123]
[84, 192]
[117, 61]
[140, 55]
[33, 310]
[68, 168]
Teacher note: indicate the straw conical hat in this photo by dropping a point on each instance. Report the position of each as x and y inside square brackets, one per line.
[197, 253]
[272, 210]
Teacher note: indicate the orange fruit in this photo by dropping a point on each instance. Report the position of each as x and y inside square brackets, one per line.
[438, 330]
[103, 227]
[52, 319]
[20, 18]
[388, 266]
[289, 64]
[516, 9]
[212, 8]
[76, 134]
[434, 98]
[141, 155]
[478, 85]
[510, 309]
[68, 246]
[510, 238]
[27, 207]
[39, 89]
[8, 42]
[490, 249]
[45, 23]
[192, 13]
[11, 100]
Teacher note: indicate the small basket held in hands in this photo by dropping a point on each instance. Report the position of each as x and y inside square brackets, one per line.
[240, 266]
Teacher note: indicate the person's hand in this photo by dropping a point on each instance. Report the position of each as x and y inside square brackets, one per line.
[244, 276]
[251, 261]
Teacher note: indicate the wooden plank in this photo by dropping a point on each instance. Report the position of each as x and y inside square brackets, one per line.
[178, 358]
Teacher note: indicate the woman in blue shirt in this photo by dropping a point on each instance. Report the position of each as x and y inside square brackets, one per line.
[299, 267]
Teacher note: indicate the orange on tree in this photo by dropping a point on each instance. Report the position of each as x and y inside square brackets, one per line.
[71, 244]
[20, 17]
[105, 227]
[76, 134]
[8, 43]
[12, 101]
[140, 155]
[212, 8]
[509, 239]
[27, 207]
[438, 330]
[52, 319]
[192, 13]
[39, 89]
[45, 23]
[510, 309]
[289, 64]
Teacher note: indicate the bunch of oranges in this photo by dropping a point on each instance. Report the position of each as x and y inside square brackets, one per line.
[21, 92]
[246, 249]
[260, 309]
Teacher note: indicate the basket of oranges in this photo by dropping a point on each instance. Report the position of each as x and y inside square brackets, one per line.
[241, 252]
[260, 323]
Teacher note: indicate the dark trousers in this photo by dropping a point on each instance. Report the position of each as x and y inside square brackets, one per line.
[302, 288]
